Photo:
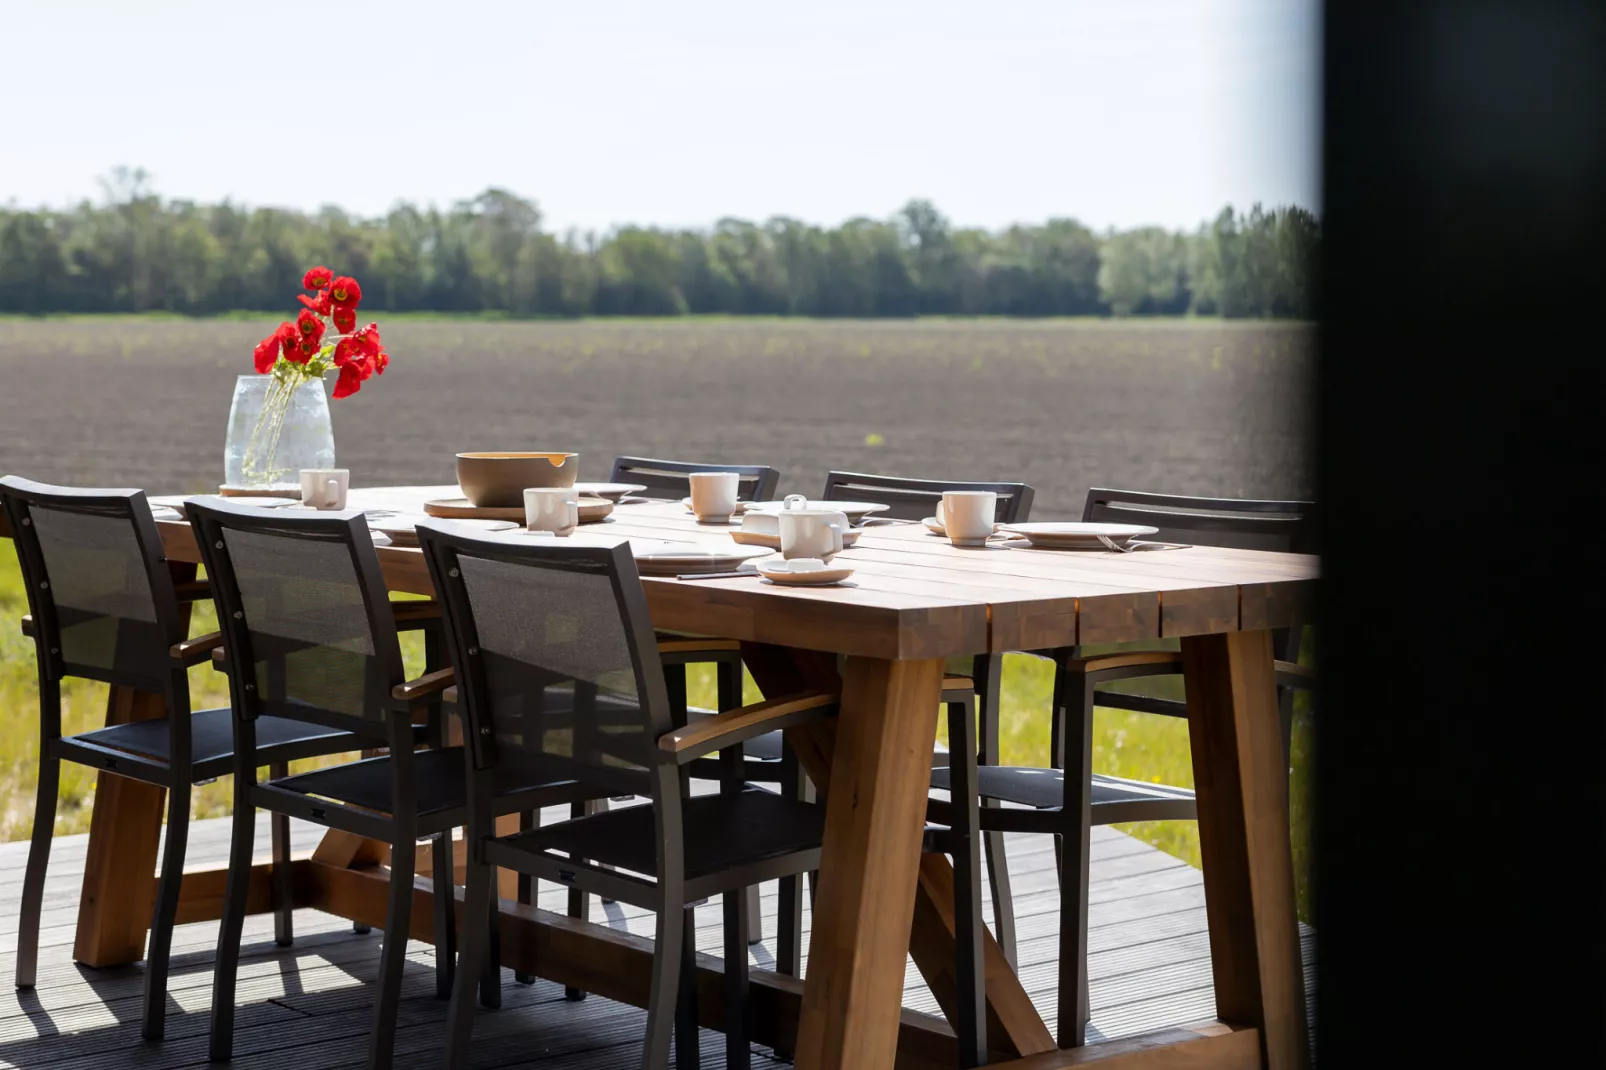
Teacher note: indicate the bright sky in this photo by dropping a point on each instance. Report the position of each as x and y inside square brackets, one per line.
[1117, 112]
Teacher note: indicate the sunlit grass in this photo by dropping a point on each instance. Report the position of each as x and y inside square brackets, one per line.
[1131, 745]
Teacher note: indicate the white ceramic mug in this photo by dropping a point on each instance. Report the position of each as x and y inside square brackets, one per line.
[809, 532]
[325, 488]
[554, 509]
[967, 515]
[713, 495]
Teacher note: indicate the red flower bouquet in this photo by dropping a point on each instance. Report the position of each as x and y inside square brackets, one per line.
[304, 351]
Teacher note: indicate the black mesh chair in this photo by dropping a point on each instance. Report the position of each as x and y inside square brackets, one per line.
[1046, 800]
[104, 606]
[915, 499]
[670, 479]
[559, 678]
[308, 632]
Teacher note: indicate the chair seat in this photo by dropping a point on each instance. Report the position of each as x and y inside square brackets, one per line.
[723, 832]
[212, 740]
[439, 779]
[1115, 799]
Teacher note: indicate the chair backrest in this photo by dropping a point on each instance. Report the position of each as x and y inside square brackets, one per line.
[306, 621]
[1241, 523]
[915, 499]
[557, 667]
[99, 589]
[668, 479]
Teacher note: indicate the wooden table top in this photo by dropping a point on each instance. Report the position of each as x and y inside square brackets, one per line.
[916, 596]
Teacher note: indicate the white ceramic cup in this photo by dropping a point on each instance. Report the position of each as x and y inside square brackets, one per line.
[554, 509]
[967, 515]
[809, 532]
[713, 495]
[325, 488]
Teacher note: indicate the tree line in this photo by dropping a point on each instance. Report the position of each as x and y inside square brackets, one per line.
[135, 252]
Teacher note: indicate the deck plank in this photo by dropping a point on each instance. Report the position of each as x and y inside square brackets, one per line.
[1148, 958]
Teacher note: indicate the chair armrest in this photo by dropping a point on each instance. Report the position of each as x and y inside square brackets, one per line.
[194, 651]
[958, 683]
[414, 614]
[450, 695]
[709, 734]
[1291, 675]
[27, 625]
[192, 590]
[431, 683]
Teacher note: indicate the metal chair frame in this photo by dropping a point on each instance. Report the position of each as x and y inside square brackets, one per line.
[178, 773]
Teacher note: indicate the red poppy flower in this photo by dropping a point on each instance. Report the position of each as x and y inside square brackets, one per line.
[319, 304]
[306, 349]
[289, 340]
[266, 354]
[350, 380]
[345, 317]
[316, 278]
[311, 326]
[344, 292]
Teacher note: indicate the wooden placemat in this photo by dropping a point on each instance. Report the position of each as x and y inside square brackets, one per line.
[259, 492]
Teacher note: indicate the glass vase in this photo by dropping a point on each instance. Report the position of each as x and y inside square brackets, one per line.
[277, 427]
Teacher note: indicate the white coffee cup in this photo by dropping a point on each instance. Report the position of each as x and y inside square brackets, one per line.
[713, 495]
[554, 509]
[325, 488]
[967, 515]
[809, 532]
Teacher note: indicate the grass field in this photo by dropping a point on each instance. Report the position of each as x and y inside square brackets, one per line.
[1185, 406]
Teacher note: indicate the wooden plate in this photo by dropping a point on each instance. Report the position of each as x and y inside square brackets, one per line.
[278, 490]
[591, 510]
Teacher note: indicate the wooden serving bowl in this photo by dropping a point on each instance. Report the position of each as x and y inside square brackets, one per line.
[497, 480]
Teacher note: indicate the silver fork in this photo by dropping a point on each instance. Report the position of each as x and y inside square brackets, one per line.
[1133, 545]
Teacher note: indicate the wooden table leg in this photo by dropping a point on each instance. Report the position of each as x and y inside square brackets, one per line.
[874, 813]
[125, 830]
[1242, 785]
[1014, 1026]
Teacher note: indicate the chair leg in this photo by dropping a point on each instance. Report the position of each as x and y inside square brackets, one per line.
[33, 881]
[392, 956]
[970, 1018]
[527, 821]
[159, 952]
[738, 1007]
[471, 967]
[445, 914]
[674, 990]
[988, 675]
[579, 901]
[236, 892]
[1076, 817]
[491, 981]
[284, 904]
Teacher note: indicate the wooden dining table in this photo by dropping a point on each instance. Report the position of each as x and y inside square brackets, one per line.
[913, 601]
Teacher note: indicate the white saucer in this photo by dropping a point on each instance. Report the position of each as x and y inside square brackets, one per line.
[780, 572]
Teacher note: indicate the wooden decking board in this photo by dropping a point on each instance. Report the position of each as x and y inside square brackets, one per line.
[311, 1005]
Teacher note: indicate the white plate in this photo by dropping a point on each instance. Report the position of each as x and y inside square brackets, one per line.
[662, 557]
[1077, 536]
[403, 527]
[854, 511]
[611, 491]
[821, 577]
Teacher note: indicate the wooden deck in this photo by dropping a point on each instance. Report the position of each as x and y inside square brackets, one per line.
[308, 1007]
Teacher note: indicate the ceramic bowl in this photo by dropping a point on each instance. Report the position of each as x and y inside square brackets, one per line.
[498, 480]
